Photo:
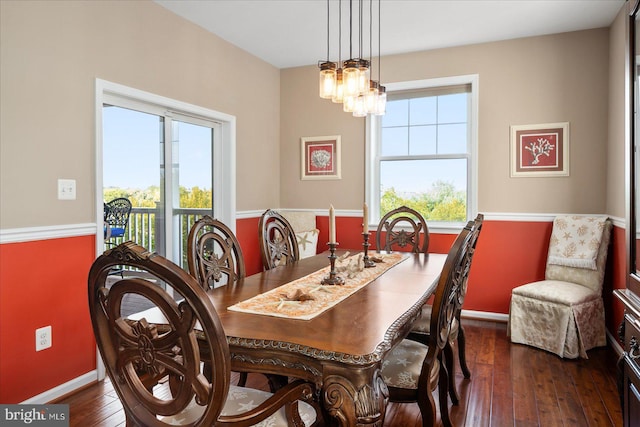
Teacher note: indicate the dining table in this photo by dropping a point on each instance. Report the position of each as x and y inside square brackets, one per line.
[342, 348]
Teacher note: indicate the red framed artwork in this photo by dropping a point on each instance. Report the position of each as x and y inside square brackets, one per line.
[320, 157]
[540, 150]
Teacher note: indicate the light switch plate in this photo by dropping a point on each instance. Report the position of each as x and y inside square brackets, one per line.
[66, 189]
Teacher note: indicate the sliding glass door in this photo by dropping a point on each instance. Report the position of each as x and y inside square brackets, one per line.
[162, 161]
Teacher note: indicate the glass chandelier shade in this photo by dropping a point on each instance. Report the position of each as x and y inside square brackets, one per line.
[351, 78]
[349, 104]
[338, 93]
[381, 104]
[359, 108]
[371, 98]
[363, 76]
[327, 79]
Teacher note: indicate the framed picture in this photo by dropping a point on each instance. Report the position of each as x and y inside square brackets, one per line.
[320, 157]
[540, 150]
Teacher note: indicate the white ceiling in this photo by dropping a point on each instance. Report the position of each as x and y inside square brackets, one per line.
[289, 33]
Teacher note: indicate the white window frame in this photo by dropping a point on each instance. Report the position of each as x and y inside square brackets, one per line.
[372, 158]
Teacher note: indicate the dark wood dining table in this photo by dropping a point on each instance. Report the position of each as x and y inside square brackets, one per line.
[342, 349]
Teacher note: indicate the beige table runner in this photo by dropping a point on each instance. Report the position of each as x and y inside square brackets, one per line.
[306, 298]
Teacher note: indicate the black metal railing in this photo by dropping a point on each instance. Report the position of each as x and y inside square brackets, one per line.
[146, 224]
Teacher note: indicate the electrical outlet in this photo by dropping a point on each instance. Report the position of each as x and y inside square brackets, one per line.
[43, 338]
[66, 189]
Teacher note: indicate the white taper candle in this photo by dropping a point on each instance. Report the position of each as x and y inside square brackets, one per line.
[332, 225]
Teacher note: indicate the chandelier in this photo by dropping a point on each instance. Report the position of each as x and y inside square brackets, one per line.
[349, 82]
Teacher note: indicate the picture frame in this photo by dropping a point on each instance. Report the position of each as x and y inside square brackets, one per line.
[320, 157]
[540, 150]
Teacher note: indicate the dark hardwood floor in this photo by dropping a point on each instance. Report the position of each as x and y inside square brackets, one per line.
[510, 385]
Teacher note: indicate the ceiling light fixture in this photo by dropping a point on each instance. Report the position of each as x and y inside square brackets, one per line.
[350, 82]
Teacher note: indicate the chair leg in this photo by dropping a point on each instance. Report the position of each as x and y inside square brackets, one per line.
[443, 383]
[450, 366]
[276, 382]
[242, 381]
[461, 351]
[427, 410]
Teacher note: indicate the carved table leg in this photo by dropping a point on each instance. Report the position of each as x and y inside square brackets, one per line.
[355, 396]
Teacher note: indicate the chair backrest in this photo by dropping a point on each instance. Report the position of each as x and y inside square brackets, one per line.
[116, 216]
[444, 303]
[403, 227]
[474, 227]
[134, 351]
[586, 232]
[278, 242]
[214, 255]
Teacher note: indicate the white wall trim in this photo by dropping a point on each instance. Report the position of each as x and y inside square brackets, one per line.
[29, 234]
[507, 216]
[63, 389]
[485, 315]
[614, 344]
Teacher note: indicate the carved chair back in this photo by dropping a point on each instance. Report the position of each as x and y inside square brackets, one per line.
[138, 355]
[403, 227]
[214, 255]
[475, 227]
[278, 242]
[134, 351]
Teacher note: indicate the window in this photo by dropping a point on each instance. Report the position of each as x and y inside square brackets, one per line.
[422, 152]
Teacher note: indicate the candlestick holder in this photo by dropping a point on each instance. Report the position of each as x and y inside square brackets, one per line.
[368, 263]
[332, 278]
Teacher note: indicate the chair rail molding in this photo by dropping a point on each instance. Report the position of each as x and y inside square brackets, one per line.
[28, 234]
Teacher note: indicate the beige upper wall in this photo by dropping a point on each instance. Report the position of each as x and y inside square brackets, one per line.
[51, 52]
[557, 78]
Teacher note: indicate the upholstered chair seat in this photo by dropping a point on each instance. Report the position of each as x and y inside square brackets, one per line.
[422, 325]
[564, 314]
[239, 400]
[402, 366]
[559, 292]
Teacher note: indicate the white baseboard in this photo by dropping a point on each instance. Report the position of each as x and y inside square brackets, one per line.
[614, 344]
[485, 315]
[63, 389]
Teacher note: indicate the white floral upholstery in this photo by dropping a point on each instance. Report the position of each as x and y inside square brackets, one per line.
[575, 241]
[307, 242]
[564, 313]
[304, 227]
[239, 400]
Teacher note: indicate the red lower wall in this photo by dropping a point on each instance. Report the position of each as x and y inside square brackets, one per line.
[45, 283]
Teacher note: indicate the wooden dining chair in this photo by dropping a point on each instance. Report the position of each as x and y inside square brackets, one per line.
[421, 328]
[413, 370]
[403, 227]
[214, 255]
[157, 373]
[278, 242]
[214, 258]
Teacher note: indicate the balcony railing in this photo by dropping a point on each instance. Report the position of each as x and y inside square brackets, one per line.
[146, 229]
